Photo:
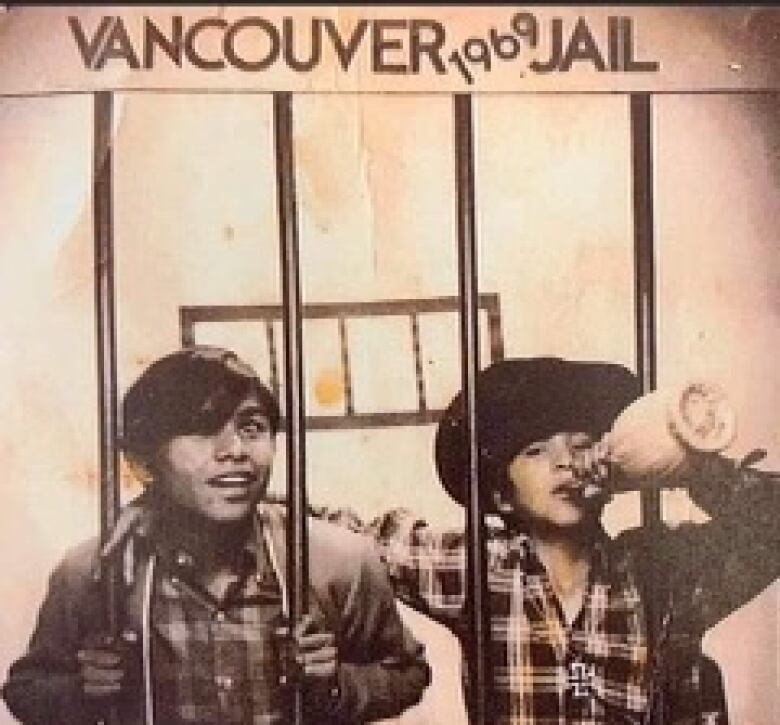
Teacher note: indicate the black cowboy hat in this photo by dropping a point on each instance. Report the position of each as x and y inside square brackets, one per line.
[520, 401]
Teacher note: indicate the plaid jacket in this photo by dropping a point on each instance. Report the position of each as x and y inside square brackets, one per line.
[603, 668]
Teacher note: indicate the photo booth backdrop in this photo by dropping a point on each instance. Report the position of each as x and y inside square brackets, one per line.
[195, 223]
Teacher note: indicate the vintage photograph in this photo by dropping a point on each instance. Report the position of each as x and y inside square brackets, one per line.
[405, 364]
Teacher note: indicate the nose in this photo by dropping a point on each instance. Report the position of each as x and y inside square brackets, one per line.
[229, 444]
[563, 455]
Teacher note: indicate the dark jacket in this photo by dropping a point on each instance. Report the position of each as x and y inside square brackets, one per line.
[382, 670]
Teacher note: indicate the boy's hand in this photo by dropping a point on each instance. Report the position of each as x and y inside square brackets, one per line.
[666, 435]
[591, 464]
[308, 656]
[315, 654]
[103, 668]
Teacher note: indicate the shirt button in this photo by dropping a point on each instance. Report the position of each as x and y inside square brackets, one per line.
[223, 682]
[183, 559]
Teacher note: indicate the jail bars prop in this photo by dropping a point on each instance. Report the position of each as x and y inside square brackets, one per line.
[478, 665]
[105, 328]
[640, 112]
[479, 623]
[297, 580]
[644, 266]
[646, 364]
[292, 325]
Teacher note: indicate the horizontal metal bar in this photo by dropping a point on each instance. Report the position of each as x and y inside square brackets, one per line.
[190, 314]
[371, 420]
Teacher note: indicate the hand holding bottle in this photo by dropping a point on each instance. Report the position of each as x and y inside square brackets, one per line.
[662, 434]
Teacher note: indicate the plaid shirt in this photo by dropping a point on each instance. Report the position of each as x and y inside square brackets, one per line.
[595, 670]
[213, 659]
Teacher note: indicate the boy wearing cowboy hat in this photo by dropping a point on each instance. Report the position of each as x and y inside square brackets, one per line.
[570, 608]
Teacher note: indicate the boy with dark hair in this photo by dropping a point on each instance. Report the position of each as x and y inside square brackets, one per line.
[570, 608]
[203, 592]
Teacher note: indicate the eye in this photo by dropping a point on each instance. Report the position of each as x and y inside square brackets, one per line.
[254, 426]
[535, 449]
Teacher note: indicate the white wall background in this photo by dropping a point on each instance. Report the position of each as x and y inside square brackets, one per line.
[196, 224]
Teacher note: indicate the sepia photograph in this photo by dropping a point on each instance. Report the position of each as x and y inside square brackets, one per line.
[403, 364]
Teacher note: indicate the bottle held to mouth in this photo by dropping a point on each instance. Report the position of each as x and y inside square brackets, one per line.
[659, 435]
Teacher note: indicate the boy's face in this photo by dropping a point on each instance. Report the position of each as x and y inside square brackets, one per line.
[544, 488]
[221, 475]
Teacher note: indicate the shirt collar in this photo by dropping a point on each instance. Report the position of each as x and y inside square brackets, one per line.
[516, 547]
[181, 548]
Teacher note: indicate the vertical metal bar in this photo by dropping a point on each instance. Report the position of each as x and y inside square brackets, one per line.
[494, 332]
[185, 323]
[419, 372]
[478, 664]
[644, 266]
[349, 403]
[105, 328]
[297, 559]
[646, 351]
[274, 368]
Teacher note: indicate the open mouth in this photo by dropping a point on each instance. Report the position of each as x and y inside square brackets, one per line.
[233, 486]
[570, 491]
[579, 492]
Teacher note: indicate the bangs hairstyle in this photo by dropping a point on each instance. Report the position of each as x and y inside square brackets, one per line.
[194, 390]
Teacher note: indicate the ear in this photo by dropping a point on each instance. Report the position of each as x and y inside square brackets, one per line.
[139, 469]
